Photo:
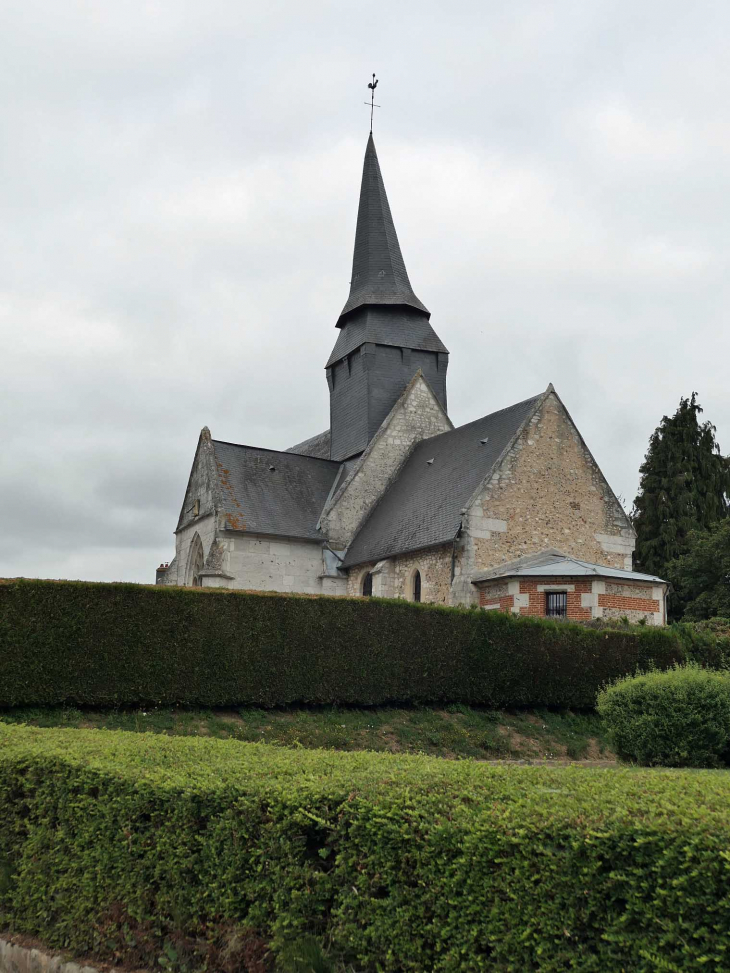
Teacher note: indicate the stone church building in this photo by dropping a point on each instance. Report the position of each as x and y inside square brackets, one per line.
[510, 511]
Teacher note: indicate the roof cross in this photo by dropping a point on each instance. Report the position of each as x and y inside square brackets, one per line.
[372, 85]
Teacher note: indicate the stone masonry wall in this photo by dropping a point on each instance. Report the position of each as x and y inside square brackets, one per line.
[395, 578]
[205, 527]
[199, 489]
[15, 958]
[417, 415]
[262, 563]
[547, 493]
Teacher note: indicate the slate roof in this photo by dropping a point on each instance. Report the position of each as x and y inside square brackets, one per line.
[423, 506]
[318, 446]
[403, 327]
[379, 273]
[554, 564]
[286, 500]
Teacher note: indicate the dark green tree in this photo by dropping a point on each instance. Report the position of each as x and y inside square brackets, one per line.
[701, 576]
[684, 487]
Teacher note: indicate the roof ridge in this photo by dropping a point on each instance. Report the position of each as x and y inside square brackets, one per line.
[489, 415]
[283, 452]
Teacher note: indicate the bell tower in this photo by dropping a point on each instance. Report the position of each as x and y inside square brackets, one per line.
[385, 332]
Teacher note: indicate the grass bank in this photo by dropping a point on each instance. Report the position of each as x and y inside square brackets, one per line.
[452, 731]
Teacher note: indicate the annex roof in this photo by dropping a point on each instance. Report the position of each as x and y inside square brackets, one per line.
[379, 274]
[423, 506]
[554, 564]
[264, 491]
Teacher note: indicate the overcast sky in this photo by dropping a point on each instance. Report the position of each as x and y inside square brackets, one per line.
[179, 186]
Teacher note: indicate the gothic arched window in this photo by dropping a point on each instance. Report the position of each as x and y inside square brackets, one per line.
[417, 586]
[367, 585]
[196, 561]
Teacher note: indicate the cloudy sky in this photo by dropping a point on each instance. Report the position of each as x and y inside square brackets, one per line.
[179, 185]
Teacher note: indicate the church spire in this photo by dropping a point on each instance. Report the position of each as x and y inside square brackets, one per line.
[379, 274]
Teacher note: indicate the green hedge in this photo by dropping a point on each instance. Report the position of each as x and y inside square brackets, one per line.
[707, 642]
[185, 853]
[676, 718]
[124, 644]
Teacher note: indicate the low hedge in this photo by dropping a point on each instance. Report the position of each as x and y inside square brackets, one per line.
[124, 644]
[192, 854]
[676, 718]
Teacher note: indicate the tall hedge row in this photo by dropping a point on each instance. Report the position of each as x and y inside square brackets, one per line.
[193, 854]
[124, 644]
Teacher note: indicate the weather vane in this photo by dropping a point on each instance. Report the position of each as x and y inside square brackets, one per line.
[372, 85]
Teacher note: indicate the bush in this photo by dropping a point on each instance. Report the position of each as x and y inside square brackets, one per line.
[677, 718]
[123, 644]
[159, 851]
[707, 642]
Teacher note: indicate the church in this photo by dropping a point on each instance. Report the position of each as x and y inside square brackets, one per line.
[509, 512]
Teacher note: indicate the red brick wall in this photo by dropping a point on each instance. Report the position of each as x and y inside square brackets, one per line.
[536, 606]
[624, 603]
[505, 601]
[528, 586]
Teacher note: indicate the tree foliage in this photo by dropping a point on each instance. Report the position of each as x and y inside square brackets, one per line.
[701, 576]
[684, 487]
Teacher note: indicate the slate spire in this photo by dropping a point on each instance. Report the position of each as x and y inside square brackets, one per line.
[379, 274]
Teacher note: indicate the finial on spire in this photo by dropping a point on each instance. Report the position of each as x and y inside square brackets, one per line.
[372, 85]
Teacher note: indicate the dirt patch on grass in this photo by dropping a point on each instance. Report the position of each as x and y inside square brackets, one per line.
[388, 736]
[594, 751]
[229, 716]
[518, 743]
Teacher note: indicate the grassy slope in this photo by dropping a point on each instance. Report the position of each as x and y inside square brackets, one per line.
[454, 731]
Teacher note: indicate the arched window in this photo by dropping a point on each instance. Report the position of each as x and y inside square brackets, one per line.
[196, 561]
[417, 586]
[367, 585]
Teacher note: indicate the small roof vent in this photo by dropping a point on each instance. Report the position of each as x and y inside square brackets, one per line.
[429, 462]
[271, 469]
[484, 441]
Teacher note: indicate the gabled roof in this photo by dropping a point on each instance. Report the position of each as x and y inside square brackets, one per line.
[318, 446]
[423, 506]
[379, 273]
[264, 491]
[552, 563]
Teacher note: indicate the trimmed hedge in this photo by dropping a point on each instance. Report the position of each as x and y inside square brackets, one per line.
[124, 644]
[189, 852]
[676, 718]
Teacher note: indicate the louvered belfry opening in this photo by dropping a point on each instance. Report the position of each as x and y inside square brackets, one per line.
[385, 334]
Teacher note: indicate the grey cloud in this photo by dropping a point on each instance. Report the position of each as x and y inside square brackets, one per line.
[179, 186]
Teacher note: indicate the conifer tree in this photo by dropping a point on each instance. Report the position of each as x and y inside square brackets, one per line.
[701, 577]
[684, 486]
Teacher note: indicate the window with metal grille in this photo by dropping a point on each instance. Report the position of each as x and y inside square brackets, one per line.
[556, 604]
[417, 586]
[367, 585]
